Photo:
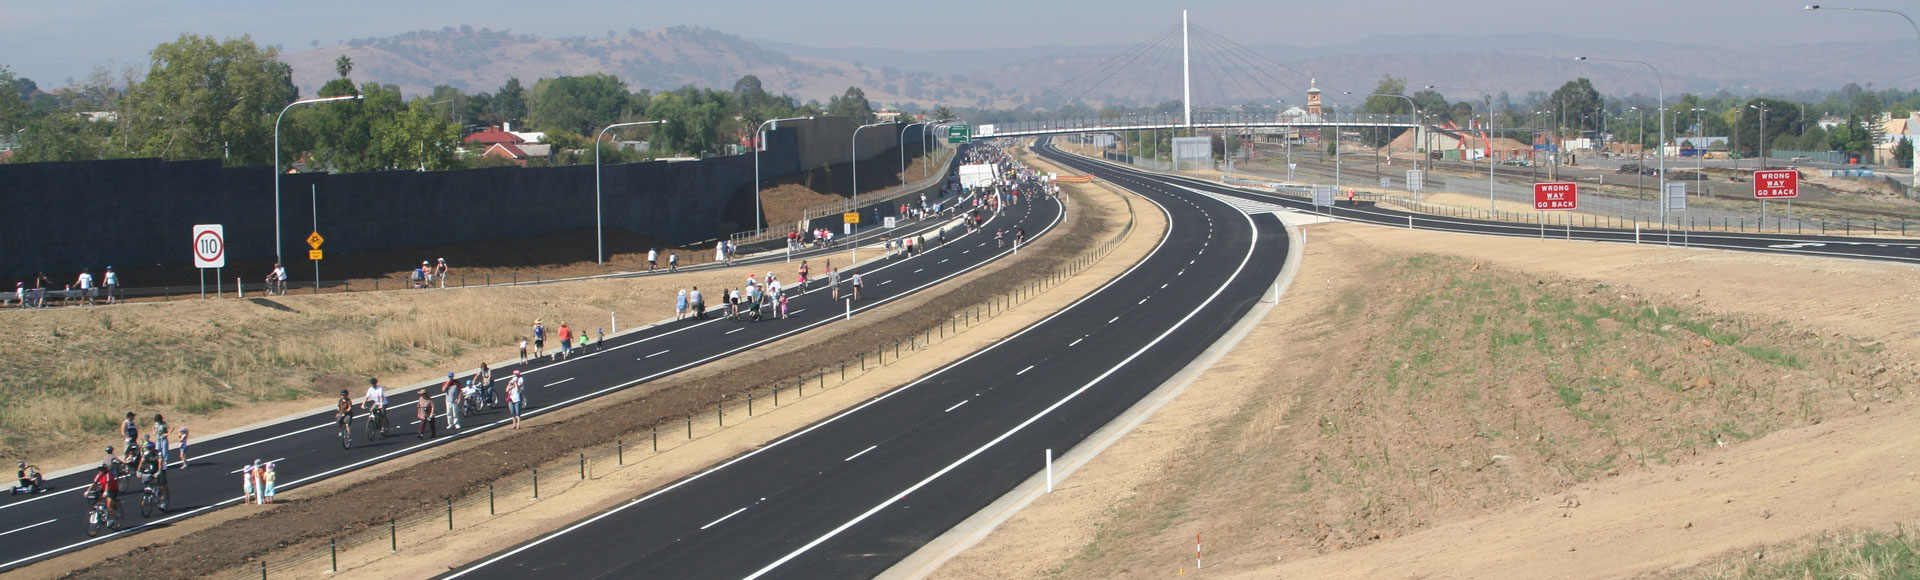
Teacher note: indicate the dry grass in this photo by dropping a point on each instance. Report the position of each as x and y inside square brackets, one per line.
[72, 373]
[1448, 388]
[1851, 555]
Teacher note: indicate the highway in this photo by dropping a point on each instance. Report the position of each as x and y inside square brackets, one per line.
[850, 495]
[308, 449]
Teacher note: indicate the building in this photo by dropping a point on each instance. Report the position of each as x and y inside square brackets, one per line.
[886, 116]
[518, 152]
[493, 136]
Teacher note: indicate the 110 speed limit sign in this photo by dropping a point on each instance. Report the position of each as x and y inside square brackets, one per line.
[209, 246]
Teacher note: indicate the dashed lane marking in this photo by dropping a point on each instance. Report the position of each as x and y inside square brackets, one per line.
[559, 381]
[957, 405]
[862, 452]
[657, 354]
[723, 518]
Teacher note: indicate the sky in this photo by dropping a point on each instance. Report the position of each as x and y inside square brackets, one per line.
[52, 41]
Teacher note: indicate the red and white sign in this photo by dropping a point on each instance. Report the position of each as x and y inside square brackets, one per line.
[1774, 184]
[209, 246]
[1556, 196]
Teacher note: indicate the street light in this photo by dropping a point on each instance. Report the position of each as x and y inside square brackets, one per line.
[1662, 83]
[599, 234]
[903, 147]
[854, 147]
[1762, 108]
[276, 166]
[1700, 157]
[1416, 128]
[1915, 190]
[760, 142]
[1491, 206]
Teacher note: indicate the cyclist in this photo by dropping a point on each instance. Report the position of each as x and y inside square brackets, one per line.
[376, 402]
[106, 489]
[343, 413]
[149, 469]
[30, 480]
[485, 381]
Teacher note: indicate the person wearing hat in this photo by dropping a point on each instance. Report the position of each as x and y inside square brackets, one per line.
[440, 273]
[420, 275]
[452, 390]
[423, 415]
[20, 294]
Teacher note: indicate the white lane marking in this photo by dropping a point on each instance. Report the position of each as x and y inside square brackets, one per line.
[895, 498]
[27, 527]
[1023, 371]
[1142, 301]
[656, 354]
[1112, 321]
[1076, 341]
[862, 452]
[886, 282]
[797, 311]
[723, 518]
[735, 330]
[942, 261]
[1190, 262]
[1183, 272]
[956, 405]
[923, 269]
[1158, 246]
[559, 381]
[966, 251]
[1163, 286]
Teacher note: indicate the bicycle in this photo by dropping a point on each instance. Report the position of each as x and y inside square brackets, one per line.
[376, 424]
[98, 517]
[346, 432]
[153, 497]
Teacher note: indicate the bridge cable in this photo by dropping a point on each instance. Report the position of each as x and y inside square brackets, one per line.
[1110, 74]
[1105, 68]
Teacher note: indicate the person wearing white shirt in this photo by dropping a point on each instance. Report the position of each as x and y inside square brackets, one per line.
[113, 285]
[85, 284]
[376, 402]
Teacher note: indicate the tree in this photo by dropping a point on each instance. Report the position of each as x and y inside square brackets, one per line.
[1578, 100]
[340, 135]
[1434, 105]
[1903, 153]
[204, 98]
[582, 104]
[1783, 118]
[13, 109]
[416, 138]
[852, 103]
[510, 103]
[944, 112]
[343, 65]
[1378, 104]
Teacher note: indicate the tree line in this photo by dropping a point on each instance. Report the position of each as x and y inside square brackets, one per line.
[205, 98]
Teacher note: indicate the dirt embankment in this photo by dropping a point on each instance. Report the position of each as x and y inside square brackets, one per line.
[326, 511]
[1476, 411]
[783, 199]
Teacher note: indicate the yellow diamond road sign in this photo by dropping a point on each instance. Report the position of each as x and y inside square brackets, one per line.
[314, 240]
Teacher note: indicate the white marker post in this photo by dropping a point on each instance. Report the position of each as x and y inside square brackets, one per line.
[1049, 471]
[849, 309]
[614, 317]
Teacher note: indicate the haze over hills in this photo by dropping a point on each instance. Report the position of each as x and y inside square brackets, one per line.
[481, 60]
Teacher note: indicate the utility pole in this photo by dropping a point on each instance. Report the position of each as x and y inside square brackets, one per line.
[1186, 73]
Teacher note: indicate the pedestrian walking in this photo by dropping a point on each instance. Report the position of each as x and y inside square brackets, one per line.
[680, 305]
[267, 478]
[130, 430]
[653, 259]
[451, 389]
[539, 337]
[113, 285]
[183, 446]
[523, 350]
[161, 432]
[857, 283]
[673, 262]
[699, 304]
[599, 338]
[515, 388]
[85, 284]
[720, 253]
[423, 417]
[439, 274]
[803, 275]
[833, 281]
[566, 344]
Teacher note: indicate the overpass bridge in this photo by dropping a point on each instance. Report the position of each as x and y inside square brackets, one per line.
[1102, 125]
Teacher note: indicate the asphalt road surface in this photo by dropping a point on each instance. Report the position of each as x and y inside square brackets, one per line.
[851, 495]
[308, 448]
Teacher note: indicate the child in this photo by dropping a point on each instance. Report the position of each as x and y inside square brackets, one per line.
[783, 305]
[183, 446]
[583, 342]
[523, 350]
[599, 338]
[246, 483]
[269, 484]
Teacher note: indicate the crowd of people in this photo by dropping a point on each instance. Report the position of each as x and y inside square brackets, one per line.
[84, 290]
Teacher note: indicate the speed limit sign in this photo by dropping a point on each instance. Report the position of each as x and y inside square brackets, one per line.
[209, 246]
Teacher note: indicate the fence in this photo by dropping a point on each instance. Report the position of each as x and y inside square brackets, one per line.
[1771, 225]
[509, 495]
[1820, 156]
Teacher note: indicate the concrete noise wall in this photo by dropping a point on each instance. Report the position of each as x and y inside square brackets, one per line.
[62, 217]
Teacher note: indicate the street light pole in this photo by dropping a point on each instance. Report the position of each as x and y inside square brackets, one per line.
[903, 148]
[1416, 128]
[599, 233]
[1491, 206]
[276, 166]
[1662, 83]
[760, 142]
[1913, 191]
[855, 200]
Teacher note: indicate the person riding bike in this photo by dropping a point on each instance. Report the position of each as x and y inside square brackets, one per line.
[30, 480]
[343, 412]
[376, 402]
[105, 489]
[149, 468]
